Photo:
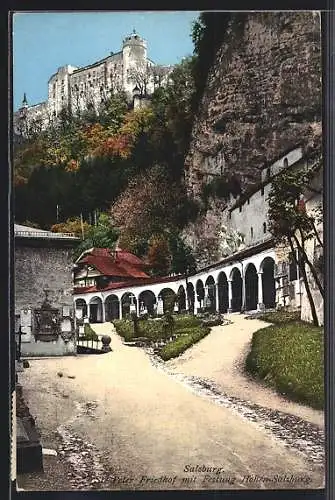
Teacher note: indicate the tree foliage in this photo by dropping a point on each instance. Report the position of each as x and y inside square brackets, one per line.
[103, 235]
[159, 256]
[73, 225]
[292, 224]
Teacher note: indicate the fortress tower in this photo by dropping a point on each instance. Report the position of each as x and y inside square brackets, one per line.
[77, 89]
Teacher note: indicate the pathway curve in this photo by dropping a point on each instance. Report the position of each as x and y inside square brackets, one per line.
[219, 358]
[144, 430]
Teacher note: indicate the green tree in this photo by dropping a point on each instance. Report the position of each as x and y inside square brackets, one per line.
[103, 235]
[290, 223]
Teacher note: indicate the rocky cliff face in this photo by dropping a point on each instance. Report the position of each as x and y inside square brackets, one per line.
[262, 98]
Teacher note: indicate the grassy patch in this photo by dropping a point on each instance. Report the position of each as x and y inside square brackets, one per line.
[279, 317]
[186, 338]
[289, 357]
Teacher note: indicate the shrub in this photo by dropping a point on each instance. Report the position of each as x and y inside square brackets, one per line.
[185, 321]
[168, 325]
[152, 329]
[289, 357]
[210, 318]
[279, 317]
[135, 324]
[124, 328]
[186, 338]
[89, 333]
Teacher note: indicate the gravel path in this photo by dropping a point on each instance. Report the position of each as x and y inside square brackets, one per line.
[219, 358]
[124, 423]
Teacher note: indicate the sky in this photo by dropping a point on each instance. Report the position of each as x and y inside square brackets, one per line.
[45, 41]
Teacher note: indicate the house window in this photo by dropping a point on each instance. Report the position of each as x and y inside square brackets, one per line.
[264, 227]
[293, 272]
[262, 191]
[252, 232]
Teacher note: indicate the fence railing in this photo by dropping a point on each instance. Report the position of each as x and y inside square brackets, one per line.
[89, 343]
[47, 235]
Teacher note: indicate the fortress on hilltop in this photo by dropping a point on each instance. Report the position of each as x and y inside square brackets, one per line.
[78, 89]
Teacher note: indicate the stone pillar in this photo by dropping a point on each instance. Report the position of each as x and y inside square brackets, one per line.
[243, 293]
[120, 308]
[230, 296]
[216, 289]
[103, 312]
[260, 305]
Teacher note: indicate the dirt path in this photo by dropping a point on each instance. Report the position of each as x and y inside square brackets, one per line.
[220, 357]
[124, 424]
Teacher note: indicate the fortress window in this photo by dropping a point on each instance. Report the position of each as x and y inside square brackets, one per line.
[264, 227]
[252, 232]
[268, 172]
[262, 191]
[229, 215]
[240, 208]
[248, 201]
[285, 163]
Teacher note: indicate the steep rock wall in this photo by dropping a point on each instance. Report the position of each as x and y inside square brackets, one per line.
[262, 98]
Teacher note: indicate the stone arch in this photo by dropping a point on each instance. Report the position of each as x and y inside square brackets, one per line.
[95, 310]
[251, 288]
[190, 297]
[80, 308]
[181, 299]
[223, 296]
[211, 293]
[128, 304]
[147, 302]
[268, 282]
[236, 279]
[112, 307]
[168, 297]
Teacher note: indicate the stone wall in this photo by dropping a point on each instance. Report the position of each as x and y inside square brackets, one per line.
[38, 266]
[262, 101]
[263, 95]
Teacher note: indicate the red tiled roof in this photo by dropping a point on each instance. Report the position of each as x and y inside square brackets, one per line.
[108, 267]
[121, 264]
[124, 256]
[127, 284]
